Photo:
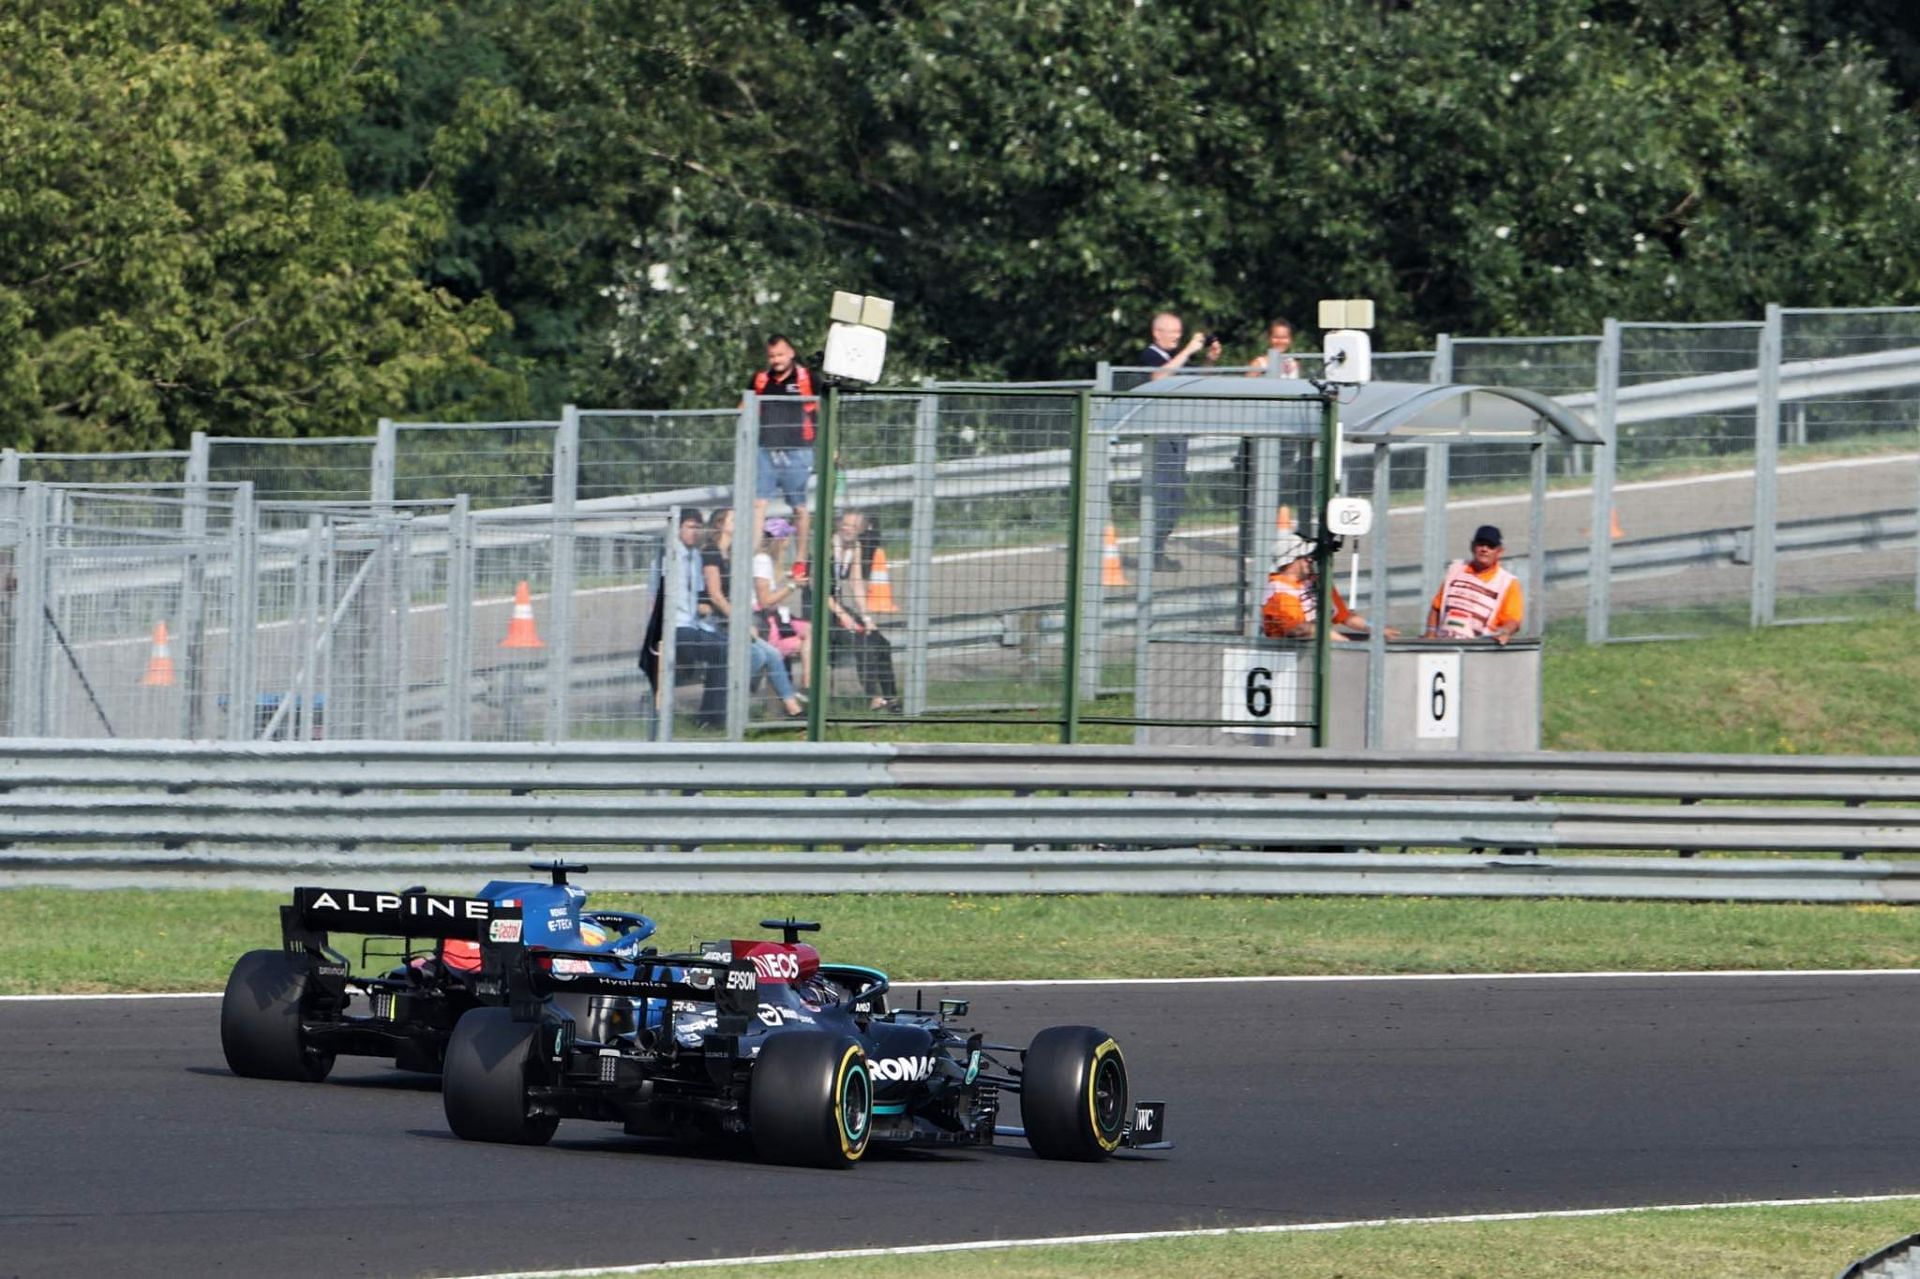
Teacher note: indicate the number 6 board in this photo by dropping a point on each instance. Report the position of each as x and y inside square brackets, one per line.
[1437, 690]
[1258, 691]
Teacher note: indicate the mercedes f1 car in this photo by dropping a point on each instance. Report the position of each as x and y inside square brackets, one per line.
[760, 1040]
[288, 1013]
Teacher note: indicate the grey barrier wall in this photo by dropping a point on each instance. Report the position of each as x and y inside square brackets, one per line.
[724, 817]
[1760, 472]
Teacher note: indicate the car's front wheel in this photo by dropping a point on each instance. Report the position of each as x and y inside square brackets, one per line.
[811, 1100]
[1073, 1093]
[484, 1085]
[260, 1020]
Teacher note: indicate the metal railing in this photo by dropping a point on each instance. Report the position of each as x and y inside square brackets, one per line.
[424, 521]
[721, 817]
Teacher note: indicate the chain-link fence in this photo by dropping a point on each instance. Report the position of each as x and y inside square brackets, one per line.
[1762, 472]
[1847, 474]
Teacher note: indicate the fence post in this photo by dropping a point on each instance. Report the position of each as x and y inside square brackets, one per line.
[457, 724]
[1433, 514]
[1143, 588]
[1606, 462]
[926, 458]
[1766, 468]
[244, 616]
[1379, 598]
[386, 452]
[1098, 444]
[1077, 543]
[821, 554]
[400, 611]
[9, 466]
[746, 456]
[1265, 517]
[1326, 487]
[191, 626]
[30, 622]
[1537, 534]
[560, 579]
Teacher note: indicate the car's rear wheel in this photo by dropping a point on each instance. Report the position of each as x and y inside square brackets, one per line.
[260, 1020]
[1073, 1093]
[484, 1085]
[811, 1100]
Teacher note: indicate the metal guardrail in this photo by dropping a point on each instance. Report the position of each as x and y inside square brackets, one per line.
[39, 764]
[1191, 820]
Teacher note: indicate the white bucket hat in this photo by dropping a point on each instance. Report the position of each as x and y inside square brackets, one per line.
[1289, 547]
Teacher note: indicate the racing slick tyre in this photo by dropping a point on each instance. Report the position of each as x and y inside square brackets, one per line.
[484, 1085]
[260, 1020]
[811, 1100]
[1073, 1093]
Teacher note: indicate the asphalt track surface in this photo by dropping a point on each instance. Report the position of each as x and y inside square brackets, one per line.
[127, 1147]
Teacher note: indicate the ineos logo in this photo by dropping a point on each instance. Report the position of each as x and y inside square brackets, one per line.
[779, 966]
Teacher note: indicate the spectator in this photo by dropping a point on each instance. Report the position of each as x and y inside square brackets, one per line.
[698, 649]
[1478, 599]
[786, 434]
[777, 598]
[847, 604]
[1279, 343]
[716, 570]
[1293, 602]
[1165, 356]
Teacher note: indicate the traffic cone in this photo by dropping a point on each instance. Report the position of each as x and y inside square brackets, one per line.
[1112, 572]
[520, 630]
[1613, 524]
[160, 663]
[880, 585]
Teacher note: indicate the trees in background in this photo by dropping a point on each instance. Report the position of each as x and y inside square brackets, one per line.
[313, 215]
[180, 248]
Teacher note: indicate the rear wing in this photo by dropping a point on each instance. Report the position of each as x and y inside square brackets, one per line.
[529, 973]
[316, 912]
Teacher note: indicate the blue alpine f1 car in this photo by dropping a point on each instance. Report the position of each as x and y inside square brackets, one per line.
[762, 1041]
[288, 1013]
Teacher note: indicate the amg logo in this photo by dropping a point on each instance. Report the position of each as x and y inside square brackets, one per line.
[420, 906]
[909, 1070]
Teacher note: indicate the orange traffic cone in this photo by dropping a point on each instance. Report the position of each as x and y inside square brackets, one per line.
[1613, 524]
[1112, 572]
[160, 663]
[880, 585]
[520, 631]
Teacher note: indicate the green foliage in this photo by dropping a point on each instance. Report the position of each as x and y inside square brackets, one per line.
[181, 249]
[263, 217]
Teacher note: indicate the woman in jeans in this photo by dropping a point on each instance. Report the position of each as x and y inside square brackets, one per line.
[716, 561]
[847, 604]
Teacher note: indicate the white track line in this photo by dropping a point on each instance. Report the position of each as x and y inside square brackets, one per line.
[1213, 981]
[1145, 1236]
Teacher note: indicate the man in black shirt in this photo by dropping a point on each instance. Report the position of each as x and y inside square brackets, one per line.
[786, 436]
[1165, 356]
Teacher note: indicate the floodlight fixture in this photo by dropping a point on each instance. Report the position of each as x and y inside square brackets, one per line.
[857, 338]
[1346, 313]
[1348, 349]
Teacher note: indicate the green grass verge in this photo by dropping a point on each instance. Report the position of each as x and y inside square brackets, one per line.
[54, 940]
[1842, 689]
[1729, 1243]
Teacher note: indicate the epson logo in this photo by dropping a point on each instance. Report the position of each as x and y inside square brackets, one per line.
[418, 906]
[906, 1070]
